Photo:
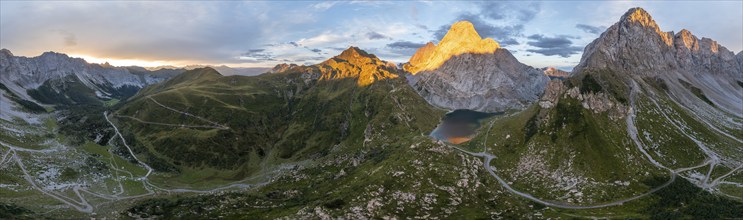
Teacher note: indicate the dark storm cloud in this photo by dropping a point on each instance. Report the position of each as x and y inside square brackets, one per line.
[375, 36]
[550, 46]
[590, 29]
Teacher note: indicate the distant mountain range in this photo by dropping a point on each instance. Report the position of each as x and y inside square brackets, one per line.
[222, 69]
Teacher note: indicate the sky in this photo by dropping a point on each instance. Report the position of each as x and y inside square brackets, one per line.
[263, 34]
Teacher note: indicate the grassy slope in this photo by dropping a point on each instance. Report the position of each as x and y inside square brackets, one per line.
[570, 142]
[368, 155]
[273, 119]
[378, 178]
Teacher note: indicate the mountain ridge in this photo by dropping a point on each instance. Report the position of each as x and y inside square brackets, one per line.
[473, 73]
[30, 73]
[699, 73]
[460, 39]
[352, 63]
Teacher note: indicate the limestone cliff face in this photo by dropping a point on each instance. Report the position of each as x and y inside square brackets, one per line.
[638, 48]
[421, 57]
[460, 39]
[467, 72]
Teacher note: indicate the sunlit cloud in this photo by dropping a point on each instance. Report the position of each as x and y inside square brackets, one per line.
[124, 62]
[258, 33]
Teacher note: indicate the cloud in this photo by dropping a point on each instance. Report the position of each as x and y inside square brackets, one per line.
[591, 29]
[549, 42]
[405, 45]
[69, 38]
[522, 12]
[194, 37]
[316, 50]
[323, 39]
[563, 52]
[324, 5]
[257, 55]
[375, 36]
[399, 50]
[560, 45]
[421, 26]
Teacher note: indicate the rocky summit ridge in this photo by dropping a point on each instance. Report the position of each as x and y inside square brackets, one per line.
[699, 73]
[460, 39]
[20, 74]
[353, 62]
[467, 72]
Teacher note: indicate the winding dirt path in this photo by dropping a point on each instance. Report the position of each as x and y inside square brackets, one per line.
[632, 130]
[215, 124]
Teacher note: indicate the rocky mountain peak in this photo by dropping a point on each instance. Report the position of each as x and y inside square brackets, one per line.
[355, 56]
[354, 53]
[5, 52]
[686, 39]
[54, 54]
[465, 71]
[462, 31]
[554, 72]
[282, 67]
[462, 38]
[639, 16]
[422, 54]
[356, 63]
[636, 47]
[637, 22]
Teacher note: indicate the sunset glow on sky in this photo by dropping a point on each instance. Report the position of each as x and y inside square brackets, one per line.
[263, 34]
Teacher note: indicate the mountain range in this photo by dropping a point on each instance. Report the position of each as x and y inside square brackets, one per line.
[647, 125]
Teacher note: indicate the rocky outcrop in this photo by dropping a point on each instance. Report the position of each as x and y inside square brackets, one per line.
[552, 93]
[598, 103]
[20, 74]
[282, 68]
[554, 73]
[467, 72]
[637, 48]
